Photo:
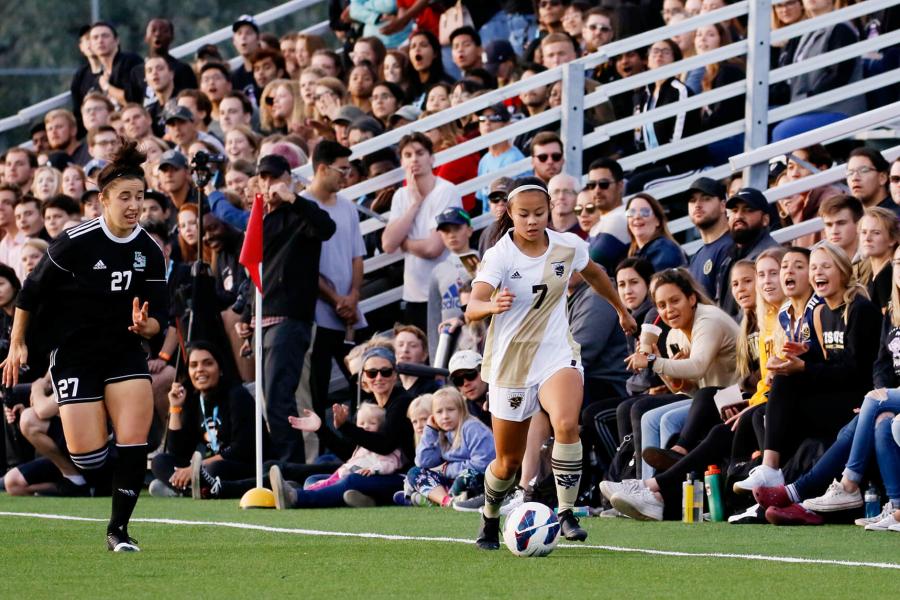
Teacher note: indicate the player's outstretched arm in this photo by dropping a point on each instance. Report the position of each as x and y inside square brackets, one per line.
[18, 352]
[599, 280]
[483, 302]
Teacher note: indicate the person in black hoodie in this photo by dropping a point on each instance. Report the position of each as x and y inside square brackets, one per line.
[210, 433]
[357, 490]
[812, 394]
[652, 135]
[293, 231]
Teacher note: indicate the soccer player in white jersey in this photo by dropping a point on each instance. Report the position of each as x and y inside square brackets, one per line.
[531, 361]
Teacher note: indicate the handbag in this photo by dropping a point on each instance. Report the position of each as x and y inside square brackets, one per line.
[452, 19]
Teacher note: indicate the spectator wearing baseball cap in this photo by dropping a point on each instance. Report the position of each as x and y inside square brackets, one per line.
[706, 209]
[500, 154]
[245, 38]
[748, 226]
[465, 375]
[497, 192]
[501, 61]
[341, 122]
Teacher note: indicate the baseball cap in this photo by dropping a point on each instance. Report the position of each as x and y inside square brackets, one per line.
[177, 113]
[708, 186]
[501, 113]
[95, 164]
[464, 360]
[752, 197]
[348, 113]
[173, 158]
[408, 112]
[273, 165]
[500, 187]
[369, 124]
[496, 52]
[453, 216]
[245, 20]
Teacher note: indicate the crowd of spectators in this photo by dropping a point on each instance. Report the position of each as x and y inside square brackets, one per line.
[387, 405]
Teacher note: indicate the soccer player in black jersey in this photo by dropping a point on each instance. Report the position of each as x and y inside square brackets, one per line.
[102, 289]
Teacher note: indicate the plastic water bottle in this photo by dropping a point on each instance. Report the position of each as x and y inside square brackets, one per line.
[713, 479]
[691, 500]
[442, 354]
[578, 511]
[873, 502]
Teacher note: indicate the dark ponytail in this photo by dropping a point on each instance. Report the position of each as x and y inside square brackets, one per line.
[126, 164]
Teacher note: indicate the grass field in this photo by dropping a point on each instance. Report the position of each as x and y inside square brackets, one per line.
[297, 557]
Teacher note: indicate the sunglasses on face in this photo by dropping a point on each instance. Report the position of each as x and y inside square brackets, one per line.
[642, 212]
[556, 156]
[603, 184]
[342, 170]
[599, 27]
[490, 119]
[588, 208]
[384, 372]
[495, 198]
[463, 376]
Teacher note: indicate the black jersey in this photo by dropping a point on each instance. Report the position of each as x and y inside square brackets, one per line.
[87, 282]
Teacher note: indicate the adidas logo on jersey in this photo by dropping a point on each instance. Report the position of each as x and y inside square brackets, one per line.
[515, 275]
[99, 266]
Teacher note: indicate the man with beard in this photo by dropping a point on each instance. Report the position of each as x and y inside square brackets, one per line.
[706, 209]
[748, 225]
[159, 36]
[609, 242]
[62, 135]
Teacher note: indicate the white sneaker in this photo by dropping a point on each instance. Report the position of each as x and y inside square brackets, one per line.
[894, 527]
[888, 509]
[611, 488]
[512, 501]
[640, 504]
[761, 476]
[834, 499]
[884, 524]
[159, 489]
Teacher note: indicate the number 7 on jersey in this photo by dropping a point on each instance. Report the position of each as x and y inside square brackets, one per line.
[542, 290]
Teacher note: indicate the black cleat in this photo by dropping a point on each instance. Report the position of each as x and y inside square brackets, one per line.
[489, 534]
[570, 528]
[120, 541]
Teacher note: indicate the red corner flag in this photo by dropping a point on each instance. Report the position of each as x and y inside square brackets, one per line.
[252, 250]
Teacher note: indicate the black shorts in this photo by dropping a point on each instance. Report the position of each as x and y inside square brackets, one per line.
[84, 379]
[40, 470]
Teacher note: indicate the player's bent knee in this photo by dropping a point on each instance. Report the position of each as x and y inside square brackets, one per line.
[30, 424]
[506, 468]
[15, 483]
[885, 416]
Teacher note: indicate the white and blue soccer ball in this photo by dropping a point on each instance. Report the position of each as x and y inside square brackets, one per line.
[531, 530]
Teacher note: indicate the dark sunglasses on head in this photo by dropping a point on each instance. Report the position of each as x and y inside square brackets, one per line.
[384, 372]
[495, 118]
[497, 197]
[556, 156]
[588, 208]
[461, 377]
[603, 184]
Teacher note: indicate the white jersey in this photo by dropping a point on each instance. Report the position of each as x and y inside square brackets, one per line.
[533, 336]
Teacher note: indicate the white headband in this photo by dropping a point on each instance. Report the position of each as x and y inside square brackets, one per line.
[528, 187]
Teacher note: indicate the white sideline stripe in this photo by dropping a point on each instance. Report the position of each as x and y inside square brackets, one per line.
[412, 538]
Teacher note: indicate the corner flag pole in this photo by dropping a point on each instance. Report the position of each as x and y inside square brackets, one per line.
[258, 368]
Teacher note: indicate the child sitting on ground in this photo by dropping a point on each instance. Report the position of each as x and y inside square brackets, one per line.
[418, 413]
[451, 456]
[369, 417]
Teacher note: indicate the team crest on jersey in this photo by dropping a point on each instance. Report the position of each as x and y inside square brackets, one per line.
[140, 261]
[559, 268]
[707, 266]
[515, 402]
[804, 332]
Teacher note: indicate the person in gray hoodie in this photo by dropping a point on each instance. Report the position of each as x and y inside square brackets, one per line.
[452, 274]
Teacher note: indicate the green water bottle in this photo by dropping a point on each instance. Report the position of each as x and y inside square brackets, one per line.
[713, 479]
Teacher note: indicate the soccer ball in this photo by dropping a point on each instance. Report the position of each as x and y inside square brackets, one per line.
[531, 530]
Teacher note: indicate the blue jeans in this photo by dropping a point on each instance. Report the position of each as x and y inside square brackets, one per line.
[888, 454]
[803, 123]
[284, 346]
[659, 425]
[895, 428]
[379, 487]
[864, 439]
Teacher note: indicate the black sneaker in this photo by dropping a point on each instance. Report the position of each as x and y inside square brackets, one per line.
[571, 530]
[203, 485]
[754, 515]
[489, 534]
[120, 541]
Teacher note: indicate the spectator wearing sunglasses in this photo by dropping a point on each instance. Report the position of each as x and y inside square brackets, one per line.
[894, 179]
[586, 211]
[547, 158]
[497, 192]
[650, 236]
[563, 190]
[465, 375]
[500, 154]
[609, 239]
[597, 30]
[706, 209]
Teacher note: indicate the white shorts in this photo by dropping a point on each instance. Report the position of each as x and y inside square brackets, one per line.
[519, 404]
